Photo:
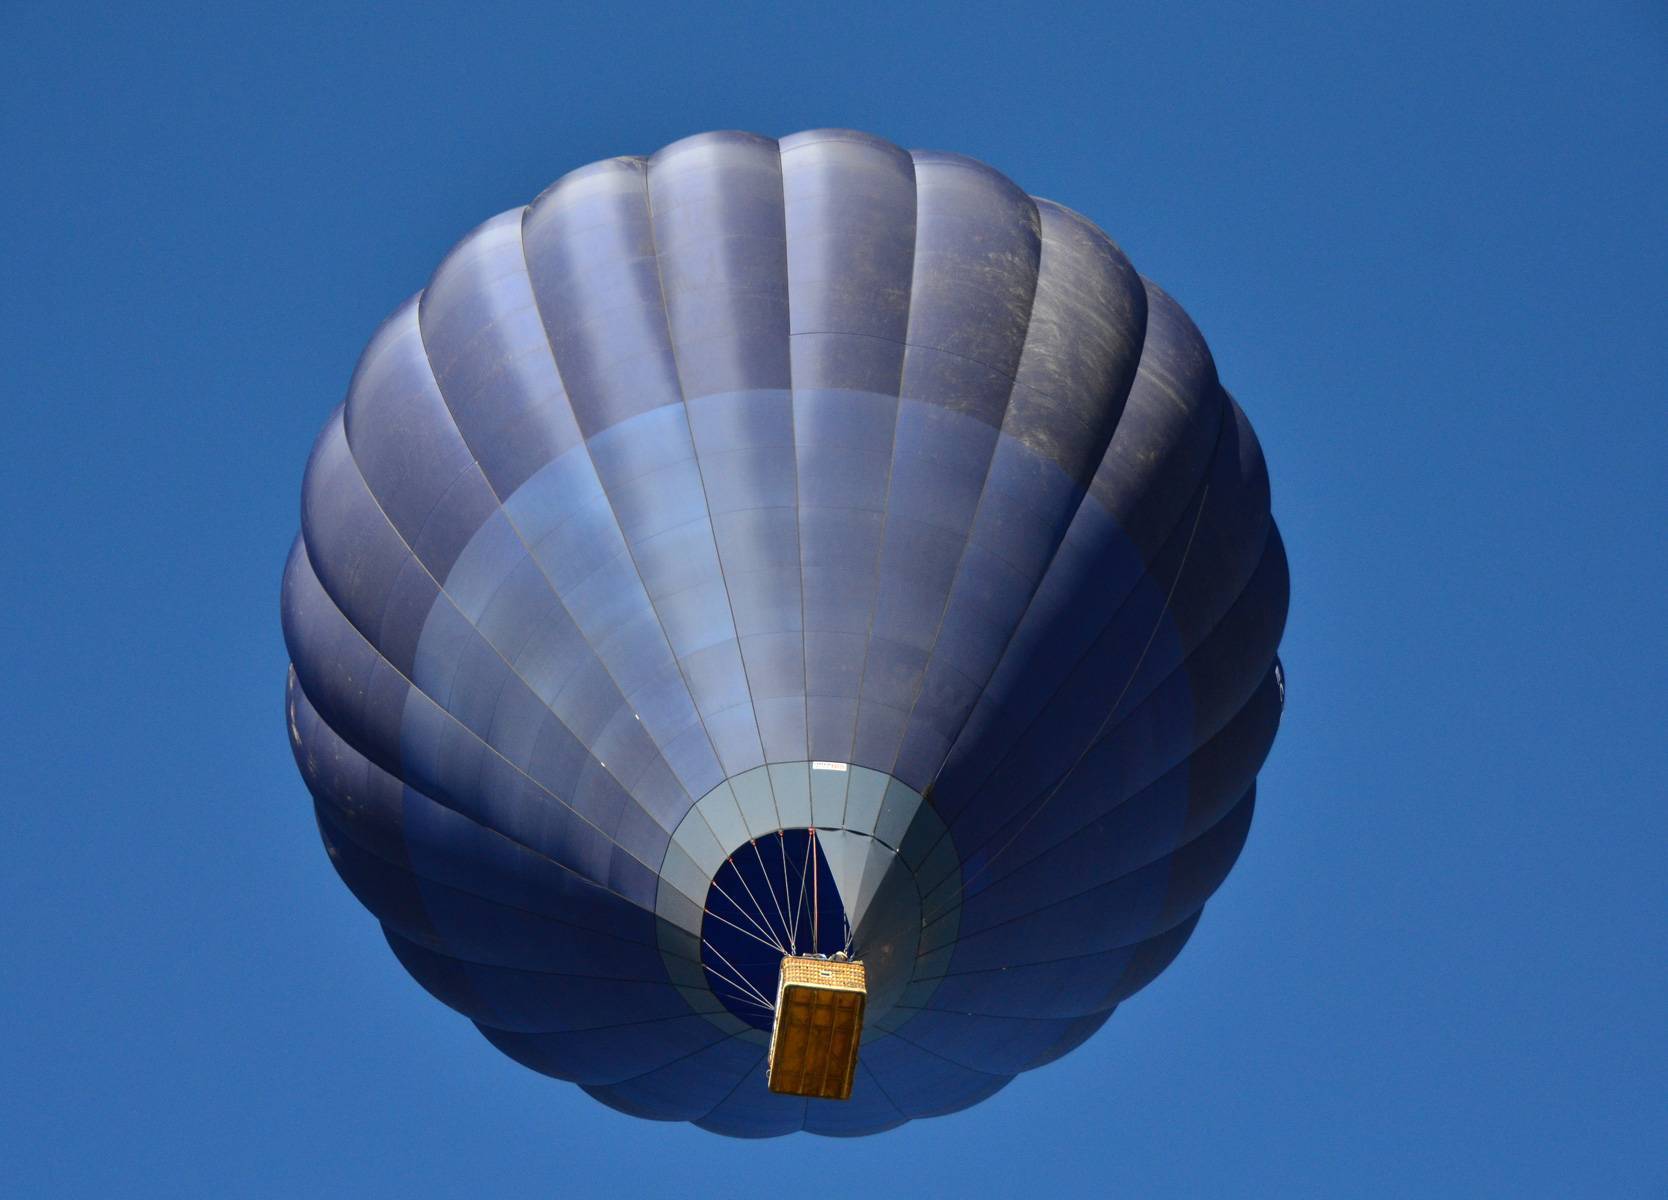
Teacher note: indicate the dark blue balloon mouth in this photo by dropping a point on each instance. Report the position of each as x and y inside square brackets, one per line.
[773, 897]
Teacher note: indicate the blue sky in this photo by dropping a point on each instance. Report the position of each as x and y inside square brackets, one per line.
[1428, 248]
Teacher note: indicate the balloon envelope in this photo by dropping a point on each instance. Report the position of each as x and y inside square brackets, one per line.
[766, 487]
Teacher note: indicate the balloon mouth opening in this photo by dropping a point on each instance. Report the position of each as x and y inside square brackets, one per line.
[774, 897]
[807, 860]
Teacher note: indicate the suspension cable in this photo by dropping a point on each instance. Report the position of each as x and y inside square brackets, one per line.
[799, 905]
[740, 978]
[787, 893]
[765, 872]
[720, 917]
[764, 928]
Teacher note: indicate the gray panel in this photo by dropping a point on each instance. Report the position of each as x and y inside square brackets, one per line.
[590, 253]
[717, 206]
[491, 360]
[409, 449]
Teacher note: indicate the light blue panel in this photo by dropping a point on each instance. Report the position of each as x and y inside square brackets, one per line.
[716, 678]
[744, 420]
[698, 618]
[864, 795]
[735, 732]
[723, 816]
[553, 495]
[790, 783]
[702, 845]
[685, 874]
[897, 812]
[485, 563]
[828, 795]
[939, 462]
[757, 802]
[749, 477]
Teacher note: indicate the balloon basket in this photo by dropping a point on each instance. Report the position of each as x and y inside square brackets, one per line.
[819, 1023]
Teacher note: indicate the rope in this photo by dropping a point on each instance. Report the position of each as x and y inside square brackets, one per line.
[793, 925]
[762, 928]
[765, 872]
[740, 929]
[740, 979]
[800, 906]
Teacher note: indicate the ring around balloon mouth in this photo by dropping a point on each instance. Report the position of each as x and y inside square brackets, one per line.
[807, 858]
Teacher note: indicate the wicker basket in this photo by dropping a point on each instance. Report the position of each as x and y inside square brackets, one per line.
[819, 1024]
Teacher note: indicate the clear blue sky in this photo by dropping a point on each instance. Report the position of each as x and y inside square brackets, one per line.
[1430, 250]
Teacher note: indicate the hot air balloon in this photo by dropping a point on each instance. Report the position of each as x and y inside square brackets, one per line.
[785, 556]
